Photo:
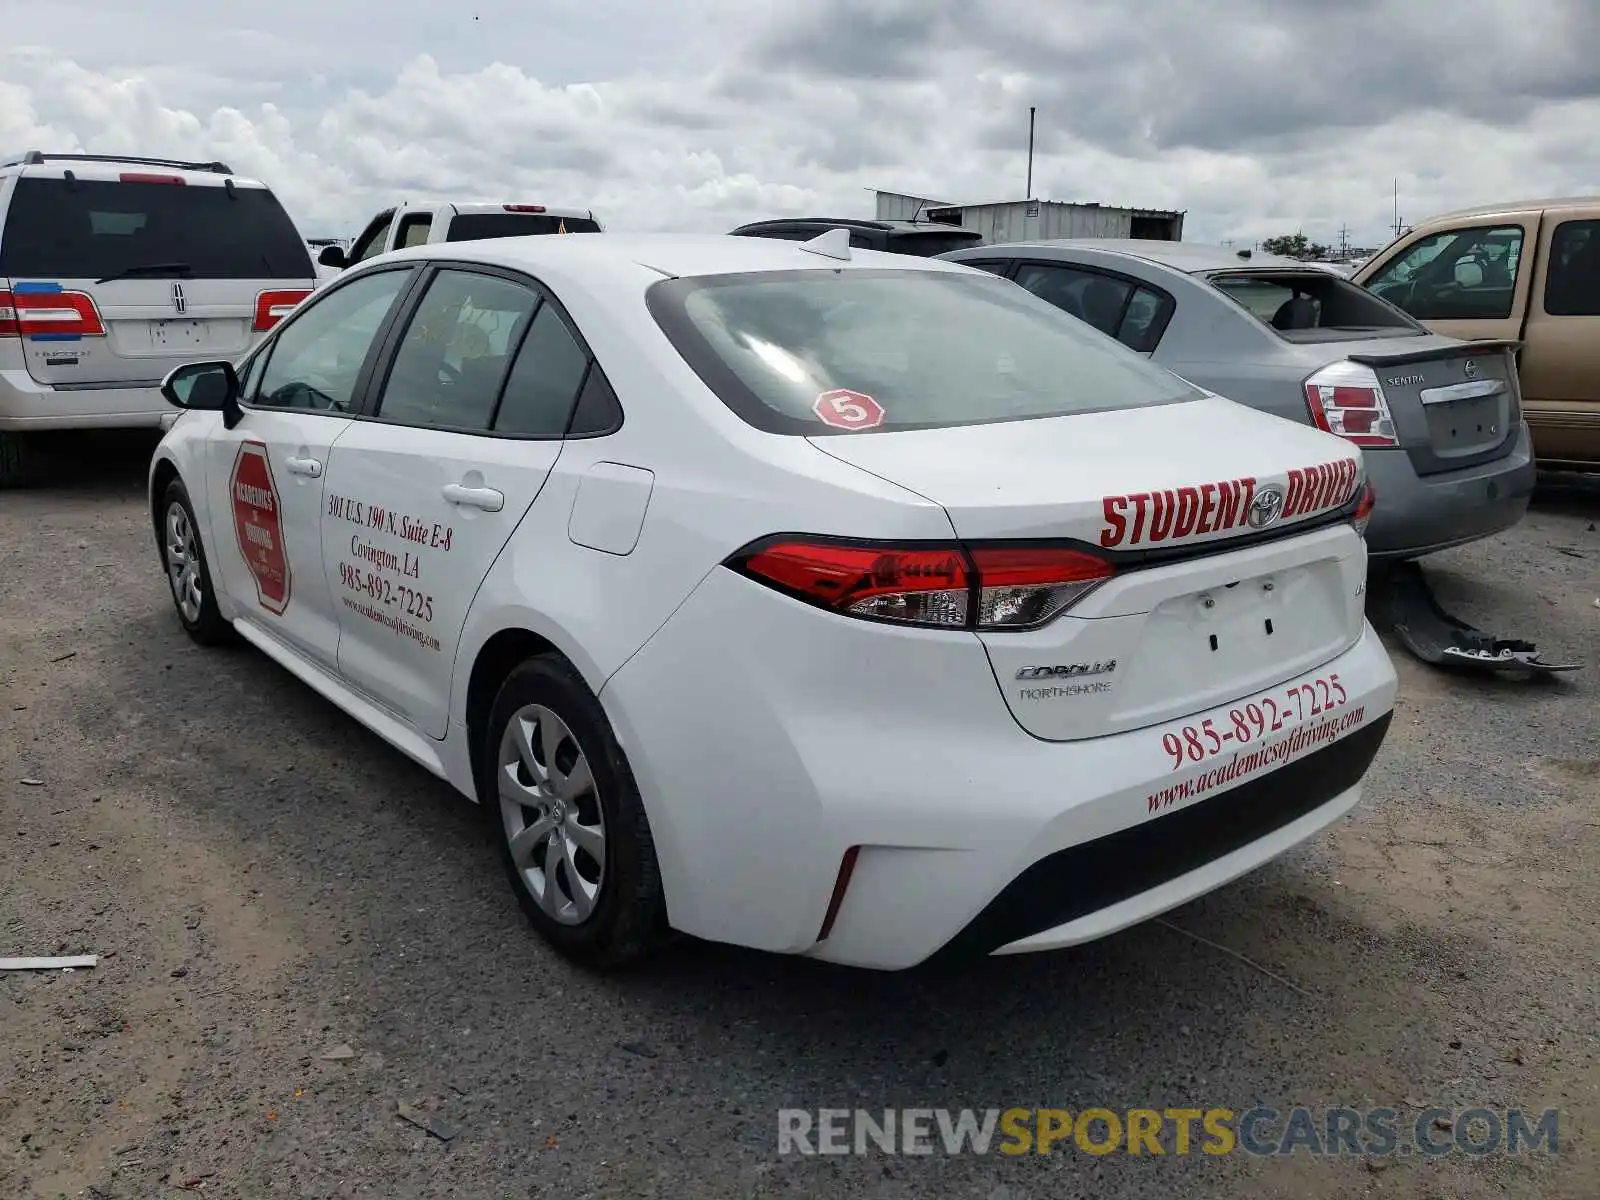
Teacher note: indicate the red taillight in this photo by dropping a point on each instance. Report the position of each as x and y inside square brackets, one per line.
[138, 177]
[46, 315]
[523, 207]
[989, 587]
[1346, 399]
[272, 307]
[1364, 507]
[921, 586]
[1023, 586]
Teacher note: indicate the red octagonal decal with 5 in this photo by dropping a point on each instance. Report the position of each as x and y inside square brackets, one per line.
[846, 409]
[258, 523]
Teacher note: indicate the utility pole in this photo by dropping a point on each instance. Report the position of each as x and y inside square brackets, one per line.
[1031, 110]
[1344, 241]
[1397, 225]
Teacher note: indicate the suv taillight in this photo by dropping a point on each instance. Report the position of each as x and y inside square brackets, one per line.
[942, 586]
[272, 307]
[46, 313]
[1346, 399]
[528, 208]
[1364, 507]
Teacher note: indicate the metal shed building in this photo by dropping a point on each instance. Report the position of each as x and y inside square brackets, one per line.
[1031, 220]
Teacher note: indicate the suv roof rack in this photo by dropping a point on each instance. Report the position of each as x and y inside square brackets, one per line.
[36, 157]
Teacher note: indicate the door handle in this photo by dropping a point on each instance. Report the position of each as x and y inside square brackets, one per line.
[304, 466]
[477, 497]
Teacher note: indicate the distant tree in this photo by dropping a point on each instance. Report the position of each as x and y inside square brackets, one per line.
[1294, 245]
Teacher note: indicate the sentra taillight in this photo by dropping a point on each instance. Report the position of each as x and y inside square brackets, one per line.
[942, 586]
[44, 312]
[1364, 507]
[1346, 399]
[272, 307]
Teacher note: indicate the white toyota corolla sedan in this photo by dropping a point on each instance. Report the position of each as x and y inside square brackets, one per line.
[836, 603]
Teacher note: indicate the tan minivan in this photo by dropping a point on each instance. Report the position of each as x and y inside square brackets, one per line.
[1527, 272]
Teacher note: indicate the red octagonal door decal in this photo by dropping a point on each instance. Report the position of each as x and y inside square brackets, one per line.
[258, 523]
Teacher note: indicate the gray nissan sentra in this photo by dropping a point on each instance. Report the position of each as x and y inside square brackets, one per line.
[1439, 420]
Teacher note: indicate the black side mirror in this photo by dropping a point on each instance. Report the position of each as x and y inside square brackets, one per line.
[205, 387]
[332, 256]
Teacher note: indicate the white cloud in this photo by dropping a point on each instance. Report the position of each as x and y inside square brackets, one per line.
[703, 120]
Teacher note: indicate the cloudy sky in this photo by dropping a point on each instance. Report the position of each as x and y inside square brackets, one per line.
[1255, 116]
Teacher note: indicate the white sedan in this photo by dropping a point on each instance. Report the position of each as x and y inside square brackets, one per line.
[827, 602]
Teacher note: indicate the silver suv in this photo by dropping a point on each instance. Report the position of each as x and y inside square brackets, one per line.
[115, 270]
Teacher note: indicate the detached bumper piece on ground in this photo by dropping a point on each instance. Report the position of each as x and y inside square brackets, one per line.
[1402, 599]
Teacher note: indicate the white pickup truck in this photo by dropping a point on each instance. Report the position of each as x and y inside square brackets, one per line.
[417, 224]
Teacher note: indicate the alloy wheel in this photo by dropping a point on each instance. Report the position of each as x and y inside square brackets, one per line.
[550, 808]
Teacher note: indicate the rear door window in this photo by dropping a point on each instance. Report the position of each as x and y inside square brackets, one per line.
[456, 351]
[1098, 299]
[414, 229]
[544, 381]
[1456, 275]
[95, 229]
[470, 227]
[1135, 315]
[1144, 320]
[1572, 288]
[931, 348]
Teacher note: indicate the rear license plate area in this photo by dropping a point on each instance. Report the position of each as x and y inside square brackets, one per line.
[1233, 639]
[178, 335]
[1467, 426]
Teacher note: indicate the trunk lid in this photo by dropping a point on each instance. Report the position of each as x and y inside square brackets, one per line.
[1198, 504]
[1455, 404]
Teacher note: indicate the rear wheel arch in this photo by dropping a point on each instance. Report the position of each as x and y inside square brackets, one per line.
[502, 654]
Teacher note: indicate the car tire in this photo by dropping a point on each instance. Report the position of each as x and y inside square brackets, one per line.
[188, 572]
[19, 460]
[574, 841]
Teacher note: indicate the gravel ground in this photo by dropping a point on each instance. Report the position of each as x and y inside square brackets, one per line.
[264, 880]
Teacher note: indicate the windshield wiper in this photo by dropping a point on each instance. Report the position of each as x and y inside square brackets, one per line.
[156, 269]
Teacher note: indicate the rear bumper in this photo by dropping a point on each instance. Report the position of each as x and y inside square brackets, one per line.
[1097, 887]
[27, 405]
[1419, 514]
[768, 739]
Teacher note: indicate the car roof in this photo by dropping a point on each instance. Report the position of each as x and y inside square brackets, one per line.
[669, 254]
[1188, 257]
[112, 167]
[1515, 206]
[861, 223]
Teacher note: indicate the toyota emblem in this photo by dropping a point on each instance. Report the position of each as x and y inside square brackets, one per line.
[1266, 508]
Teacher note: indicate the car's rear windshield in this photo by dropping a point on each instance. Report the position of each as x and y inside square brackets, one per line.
[471, 227]
[92, 229]
[930, 245]
[1313, 305]
[794, 351]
